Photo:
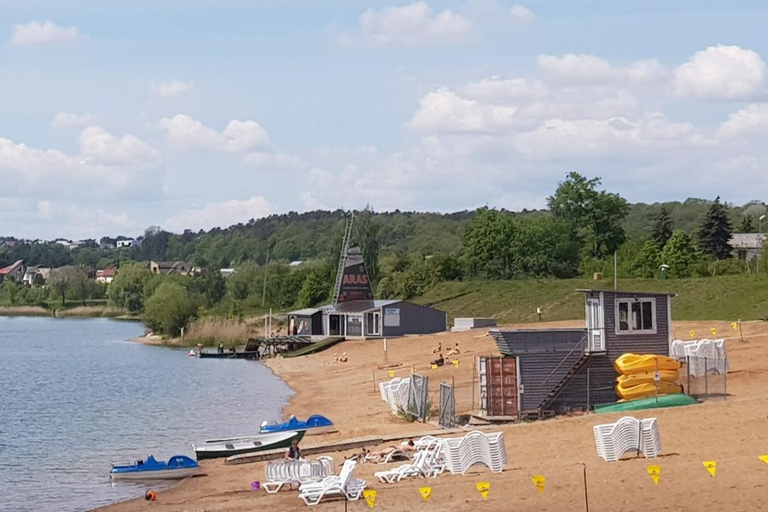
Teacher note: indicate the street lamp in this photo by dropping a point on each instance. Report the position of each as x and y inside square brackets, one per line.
[759, 221]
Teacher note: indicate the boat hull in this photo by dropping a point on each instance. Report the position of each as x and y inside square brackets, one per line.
[160, 474]
[246, 445]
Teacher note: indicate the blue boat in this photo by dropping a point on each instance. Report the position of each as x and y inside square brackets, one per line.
[315, 425]
[178, 466]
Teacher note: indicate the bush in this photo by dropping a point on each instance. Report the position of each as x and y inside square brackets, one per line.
[127, 290]
[727, 267]
[170, 308]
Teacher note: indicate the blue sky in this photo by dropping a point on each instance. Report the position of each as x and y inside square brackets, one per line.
[118, 115]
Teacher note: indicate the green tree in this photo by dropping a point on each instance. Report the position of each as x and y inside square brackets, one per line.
[680, 254]
[545, 247]
[314, 290]
[170, 308]
[596, 215]
[11, 291]
[715, 232]
[648, 260]
[127, 290]
[210, 285]
[488, 244]
[79, 284]
[61, 282]
[662, 228]
[746, 225]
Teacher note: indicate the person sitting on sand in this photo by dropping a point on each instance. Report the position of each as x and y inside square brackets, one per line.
[440, 361]
[343, 358]
[294, 452]
[455, 350]
[438, 348]
[335, 357]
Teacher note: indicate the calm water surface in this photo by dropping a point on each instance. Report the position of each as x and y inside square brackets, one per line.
[75, 395]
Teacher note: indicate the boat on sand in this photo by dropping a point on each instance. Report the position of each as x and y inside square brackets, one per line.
[215, 448]
[314, 425]
[178, 466]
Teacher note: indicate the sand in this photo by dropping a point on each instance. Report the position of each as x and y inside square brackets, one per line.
[731, 432]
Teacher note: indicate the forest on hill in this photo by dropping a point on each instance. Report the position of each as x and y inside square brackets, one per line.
[407, 253]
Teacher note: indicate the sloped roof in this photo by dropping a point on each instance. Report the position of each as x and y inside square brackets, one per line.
[747, 240]
[10, 268]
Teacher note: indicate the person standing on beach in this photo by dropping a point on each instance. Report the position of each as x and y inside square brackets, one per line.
[294, 452]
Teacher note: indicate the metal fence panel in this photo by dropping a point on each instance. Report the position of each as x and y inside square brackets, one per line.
[418, 396]
[447, 416]
[705, 378]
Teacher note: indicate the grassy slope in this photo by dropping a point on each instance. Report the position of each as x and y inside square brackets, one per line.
[742, 297]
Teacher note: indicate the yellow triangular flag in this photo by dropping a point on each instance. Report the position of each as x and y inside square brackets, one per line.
[483, 487]
[692, 333]
[764, 458]
[713, 331]
[434, 367]
[711, 466]
[370, 497]
[391, 373]
[735, 326]
[539, 481]
[425, 492]
[413, 369]
[655, 472]
[456, 363]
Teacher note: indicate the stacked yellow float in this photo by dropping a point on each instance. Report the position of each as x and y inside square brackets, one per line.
[638, 379]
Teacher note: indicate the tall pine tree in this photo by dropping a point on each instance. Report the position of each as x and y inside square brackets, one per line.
[715, 232]
[662, 228]
[746, 225]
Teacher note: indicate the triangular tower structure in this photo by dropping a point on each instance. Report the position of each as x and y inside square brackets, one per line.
[352, 283]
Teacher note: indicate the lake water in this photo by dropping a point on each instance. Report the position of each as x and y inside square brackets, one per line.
[75, 396]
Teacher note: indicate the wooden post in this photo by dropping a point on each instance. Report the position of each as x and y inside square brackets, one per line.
[586, 493]
[474, 370]
[264, 291]
[373, 377]
[741, 335]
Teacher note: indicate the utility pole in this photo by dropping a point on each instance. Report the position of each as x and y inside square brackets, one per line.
[264, 291]
[615, 270]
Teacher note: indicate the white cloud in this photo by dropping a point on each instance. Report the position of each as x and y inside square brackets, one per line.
[237, 137]
[345, 151]
[221, 214]
[589, 69]
[749, 121]
[721, 73]
[521, 14]
[445, 111]
[496, 89]
[37, 33]
[274, 161]
[101, 147]
[411, 25]
[170, 89]
[65, 120]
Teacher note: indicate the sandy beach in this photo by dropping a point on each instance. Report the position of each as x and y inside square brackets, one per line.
[732, 432]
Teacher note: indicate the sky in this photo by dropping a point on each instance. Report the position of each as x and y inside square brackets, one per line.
[115, 115]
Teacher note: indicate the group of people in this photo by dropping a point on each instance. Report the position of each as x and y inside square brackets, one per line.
[342, 359]
[440, 361]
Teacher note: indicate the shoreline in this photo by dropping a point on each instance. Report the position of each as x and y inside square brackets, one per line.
[558, 448]
[73, 312]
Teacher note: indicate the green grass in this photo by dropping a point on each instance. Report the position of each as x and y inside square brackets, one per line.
[742, 297]
[315, 347]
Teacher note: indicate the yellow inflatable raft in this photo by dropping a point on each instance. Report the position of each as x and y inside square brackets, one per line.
[634, 379]
[636, 363]
[648, 390]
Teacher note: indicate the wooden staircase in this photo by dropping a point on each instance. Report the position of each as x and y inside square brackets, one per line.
[578, 365]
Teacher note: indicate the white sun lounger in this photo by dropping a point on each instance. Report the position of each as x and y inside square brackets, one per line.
[295, 472]
[342, 485]
[426, 464]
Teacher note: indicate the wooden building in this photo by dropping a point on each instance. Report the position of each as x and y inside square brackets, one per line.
[563, 369]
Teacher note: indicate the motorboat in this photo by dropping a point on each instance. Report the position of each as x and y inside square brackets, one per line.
[314, 425]
[215, 448]
[178, 466]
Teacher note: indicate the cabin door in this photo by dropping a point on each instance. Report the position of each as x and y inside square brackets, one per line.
[595, 327]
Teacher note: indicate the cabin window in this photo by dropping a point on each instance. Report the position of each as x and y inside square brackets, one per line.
[635, 316]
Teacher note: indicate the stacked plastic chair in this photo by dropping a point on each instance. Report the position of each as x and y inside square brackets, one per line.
[395, 393]
[627, 435]
[459, 454]
[706, 356]
[296, 472]
[345, 484]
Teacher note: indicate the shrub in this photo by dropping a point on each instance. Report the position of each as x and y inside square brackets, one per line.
[170, 308]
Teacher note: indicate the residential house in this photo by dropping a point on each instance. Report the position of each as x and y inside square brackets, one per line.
[170, 267]
[14, 272]
[107, 274]
[127, 243]
[562, 369]
[747, 246]
[31, 273]
[226, 272]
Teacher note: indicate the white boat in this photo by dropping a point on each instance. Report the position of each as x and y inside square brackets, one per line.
[215, 448]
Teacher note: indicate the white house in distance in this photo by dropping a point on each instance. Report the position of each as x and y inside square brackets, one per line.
[130, 242]
[747, 246]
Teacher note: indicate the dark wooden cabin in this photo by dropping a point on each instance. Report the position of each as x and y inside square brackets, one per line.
[563, 369]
